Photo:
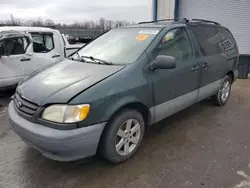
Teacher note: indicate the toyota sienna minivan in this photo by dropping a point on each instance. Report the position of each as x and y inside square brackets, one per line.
[102, 98]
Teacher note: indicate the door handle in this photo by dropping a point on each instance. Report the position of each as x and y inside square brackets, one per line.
[204, 65]
[25, 59]
[195, 68]
[55, 56]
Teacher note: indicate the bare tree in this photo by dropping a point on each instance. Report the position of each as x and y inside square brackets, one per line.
[92, 24]
[133, 23]
[49, 22]
[109, 24]
[38, 23]
[12, 19]
[102, 23]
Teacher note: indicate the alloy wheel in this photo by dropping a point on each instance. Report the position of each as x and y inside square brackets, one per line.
[225, 91]
[127, 137]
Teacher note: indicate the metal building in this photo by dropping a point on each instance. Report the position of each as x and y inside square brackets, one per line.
[234, 14]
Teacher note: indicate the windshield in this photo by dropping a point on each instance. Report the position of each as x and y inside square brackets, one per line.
[120, 46]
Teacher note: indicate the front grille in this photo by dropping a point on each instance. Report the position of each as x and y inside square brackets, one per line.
[24, 106]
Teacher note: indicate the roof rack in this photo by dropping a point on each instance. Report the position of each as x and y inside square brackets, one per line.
[205, 21]
[155, 21]
[182, 20]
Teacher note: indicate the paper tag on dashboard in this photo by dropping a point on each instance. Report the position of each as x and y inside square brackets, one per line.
[149, 32]
[141, 37]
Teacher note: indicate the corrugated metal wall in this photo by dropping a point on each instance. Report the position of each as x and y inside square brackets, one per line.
[165, 9]
[234, 14]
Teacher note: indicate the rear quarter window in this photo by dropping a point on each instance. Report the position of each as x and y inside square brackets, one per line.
[228, 42]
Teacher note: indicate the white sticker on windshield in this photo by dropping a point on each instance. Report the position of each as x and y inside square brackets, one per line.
[149, 32]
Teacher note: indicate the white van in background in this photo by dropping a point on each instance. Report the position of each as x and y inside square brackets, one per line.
[24, 50]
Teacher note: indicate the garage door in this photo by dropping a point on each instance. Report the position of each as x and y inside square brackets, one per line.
[233, 14]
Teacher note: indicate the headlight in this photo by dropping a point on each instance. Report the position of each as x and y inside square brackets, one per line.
[66, 113]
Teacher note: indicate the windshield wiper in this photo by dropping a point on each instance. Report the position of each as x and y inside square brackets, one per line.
[96, 60]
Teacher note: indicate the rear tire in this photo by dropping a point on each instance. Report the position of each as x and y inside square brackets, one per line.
[123, 136]
[223, 94]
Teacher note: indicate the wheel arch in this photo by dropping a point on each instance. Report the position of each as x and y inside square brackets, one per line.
[138, 106]
[231, 75]
[135, 105]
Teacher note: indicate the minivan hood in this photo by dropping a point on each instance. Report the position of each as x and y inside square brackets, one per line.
[61, 82]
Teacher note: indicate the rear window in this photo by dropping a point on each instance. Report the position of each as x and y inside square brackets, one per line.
[208, 39]
[228, 42]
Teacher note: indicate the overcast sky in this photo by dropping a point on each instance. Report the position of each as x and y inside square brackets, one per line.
[77, 10]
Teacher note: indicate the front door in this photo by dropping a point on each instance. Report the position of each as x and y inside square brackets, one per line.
[175, 89]
[14, 59]
[46, 47]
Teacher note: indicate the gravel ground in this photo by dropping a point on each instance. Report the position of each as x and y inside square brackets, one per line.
[202, 146]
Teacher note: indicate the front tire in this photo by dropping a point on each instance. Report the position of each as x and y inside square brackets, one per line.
[223, 93]
[122, 136]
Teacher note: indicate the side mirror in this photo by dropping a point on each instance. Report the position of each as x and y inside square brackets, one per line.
[163, 62]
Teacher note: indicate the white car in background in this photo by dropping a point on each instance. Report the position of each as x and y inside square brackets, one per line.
[24, 50]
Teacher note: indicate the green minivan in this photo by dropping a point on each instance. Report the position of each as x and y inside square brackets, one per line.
[104, 96]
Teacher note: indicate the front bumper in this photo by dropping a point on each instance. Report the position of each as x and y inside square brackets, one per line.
[60, 145]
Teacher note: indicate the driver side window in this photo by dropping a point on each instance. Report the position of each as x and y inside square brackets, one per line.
[175, 43]
[42, 42]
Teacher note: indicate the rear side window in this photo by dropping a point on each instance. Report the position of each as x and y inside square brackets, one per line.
[14, 46]
[228, 42]
[208, 39]
[42, 42]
